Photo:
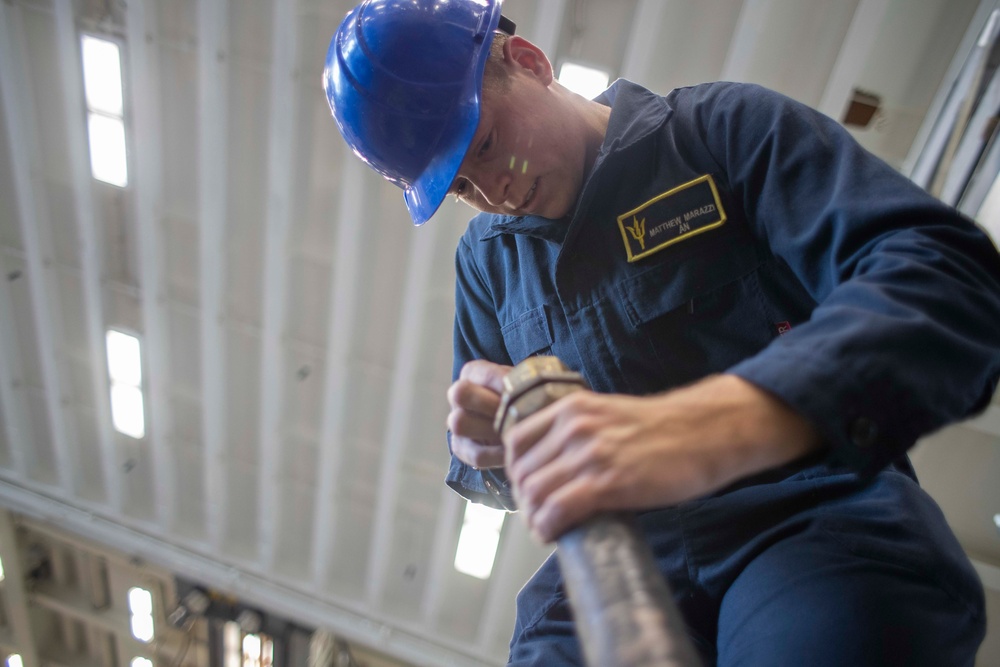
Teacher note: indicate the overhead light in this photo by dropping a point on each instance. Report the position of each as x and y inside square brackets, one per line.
[1, 570]
[583, 80]
[996, 521]
[478, 541]
[102, 80]
[141, 662]
[102, 75]
[125, 370]
[14, 660]
[108, 161]
[140, 606]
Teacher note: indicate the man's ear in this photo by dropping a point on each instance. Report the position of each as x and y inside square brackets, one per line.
[520, 52]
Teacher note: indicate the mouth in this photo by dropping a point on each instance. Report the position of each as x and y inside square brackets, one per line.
[528, 198]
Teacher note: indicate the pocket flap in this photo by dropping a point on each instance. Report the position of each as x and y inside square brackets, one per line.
[672, 284]
[527, 334]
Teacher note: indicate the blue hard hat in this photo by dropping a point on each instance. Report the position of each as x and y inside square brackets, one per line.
[404, 78]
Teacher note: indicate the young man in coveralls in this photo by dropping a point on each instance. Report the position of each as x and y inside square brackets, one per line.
[768, 315]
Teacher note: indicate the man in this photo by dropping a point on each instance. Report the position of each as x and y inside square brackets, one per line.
[769, 317]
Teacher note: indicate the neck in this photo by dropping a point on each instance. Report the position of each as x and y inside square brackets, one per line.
[597, 117]
[593, 117]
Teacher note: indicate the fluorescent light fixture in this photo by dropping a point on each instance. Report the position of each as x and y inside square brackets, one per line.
[15, 660]
[140, 606]
[102, 75]
[102, 82]
[477, 543]
[127, 411]
[586, 81]
[124, 358]
[141, 662]
[125, 369]
[251, 646]
[1, 570]
[108, 161]
[140, 601]
[233, 653]
[142, 628]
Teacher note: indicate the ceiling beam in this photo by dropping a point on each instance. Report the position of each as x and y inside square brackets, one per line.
[19, 114]
[14, 593]
[283, 111]
[89, 243]
[746, 39]
[442, 563]
[146, 182]
[547, 26]
[507, 579]
[213, 82]
[299, 606]
[930, 141]
[861, 37]
[402, 397]
[647, 26]
[16, 418]
[345, 289]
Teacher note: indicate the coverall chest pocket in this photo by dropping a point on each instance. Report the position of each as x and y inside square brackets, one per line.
[527, 335]
[698, 314]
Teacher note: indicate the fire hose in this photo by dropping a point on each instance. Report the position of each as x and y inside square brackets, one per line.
[624, 611]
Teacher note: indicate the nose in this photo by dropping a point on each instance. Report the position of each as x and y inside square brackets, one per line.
[493, 182]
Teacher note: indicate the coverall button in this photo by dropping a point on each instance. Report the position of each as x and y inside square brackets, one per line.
[864, 432]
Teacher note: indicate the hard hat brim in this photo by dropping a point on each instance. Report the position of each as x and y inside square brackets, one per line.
[428, 191]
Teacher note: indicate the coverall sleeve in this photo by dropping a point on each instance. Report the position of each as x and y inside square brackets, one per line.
[477, 336]
[906, 334]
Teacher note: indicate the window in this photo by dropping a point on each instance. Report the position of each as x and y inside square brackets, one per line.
[102, 79]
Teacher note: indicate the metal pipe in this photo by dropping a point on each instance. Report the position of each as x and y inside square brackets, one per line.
[623, 607]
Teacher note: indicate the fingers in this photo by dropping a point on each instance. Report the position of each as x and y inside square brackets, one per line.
[536, 441]
[485, 373]
[474, 399]
[473, 407]
[481, 455]
[566, 507]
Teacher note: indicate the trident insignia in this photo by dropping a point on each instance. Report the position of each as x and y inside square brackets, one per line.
[638, 231]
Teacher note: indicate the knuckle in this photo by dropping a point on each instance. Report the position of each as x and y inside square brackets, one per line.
[453, 392]
[579, 426]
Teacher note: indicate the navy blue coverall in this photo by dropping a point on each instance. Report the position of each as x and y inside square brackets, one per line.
[726, 228]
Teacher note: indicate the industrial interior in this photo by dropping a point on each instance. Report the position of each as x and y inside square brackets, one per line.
[224, 348]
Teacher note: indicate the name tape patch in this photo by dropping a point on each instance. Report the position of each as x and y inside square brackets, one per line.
[671, 217]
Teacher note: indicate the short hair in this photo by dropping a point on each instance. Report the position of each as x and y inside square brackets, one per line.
[495, 77]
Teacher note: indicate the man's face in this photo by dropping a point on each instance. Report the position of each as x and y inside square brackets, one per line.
[527, 156]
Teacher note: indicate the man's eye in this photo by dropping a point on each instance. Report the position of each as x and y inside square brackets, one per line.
[485, 147]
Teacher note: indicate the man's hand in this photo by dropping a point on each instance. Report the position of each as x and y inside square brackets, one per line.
[474, 398]
[590, 452]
